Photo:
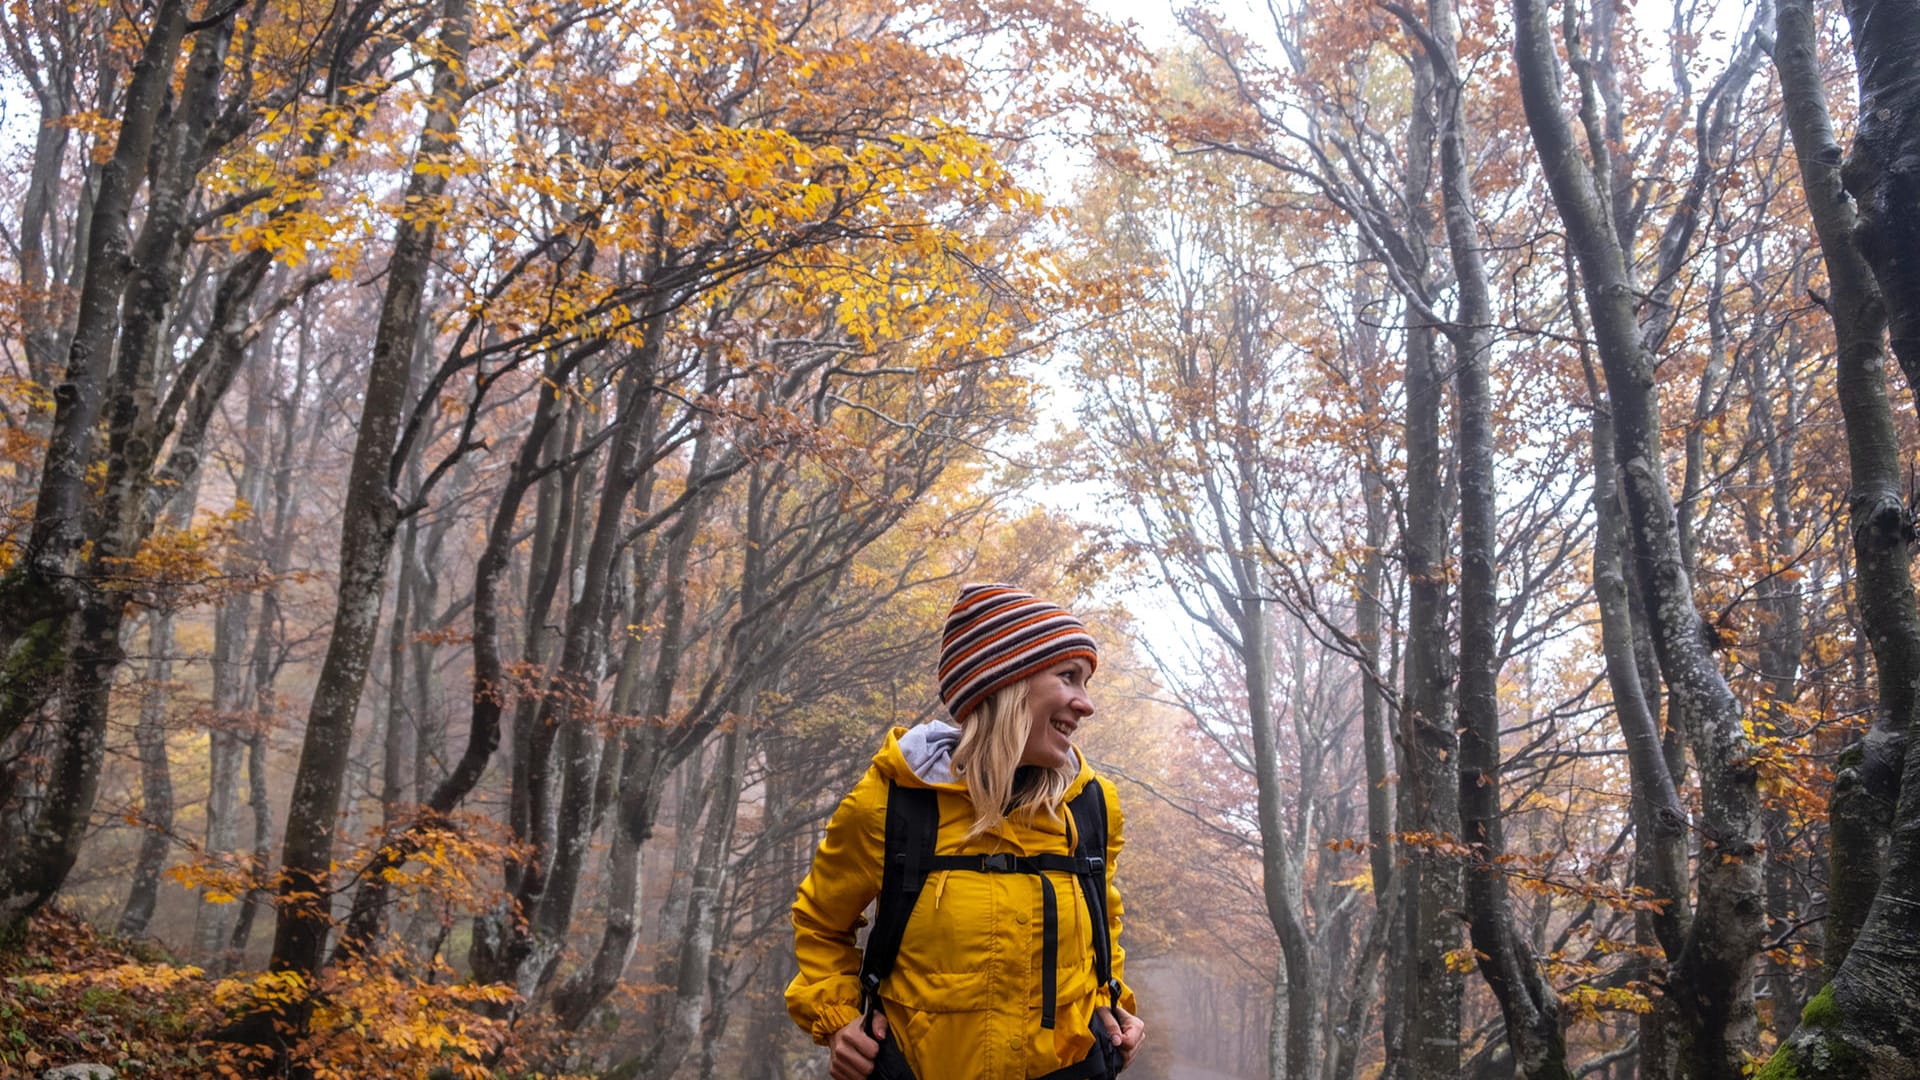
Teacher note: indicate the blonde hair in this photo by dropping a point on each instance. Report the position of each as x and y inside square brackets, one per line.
[992, 737]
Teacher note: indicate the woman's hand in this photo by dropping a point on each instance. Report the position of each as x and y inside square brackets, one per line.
[854, 1050]
[1125, 1029]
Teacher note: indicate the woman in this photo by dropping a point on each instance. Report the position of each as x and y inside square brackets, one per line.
[969, 993]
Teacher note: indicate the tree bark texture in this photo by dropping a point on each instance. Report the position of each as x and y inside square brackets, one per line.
[33, 593]
[1529, 1004]
[1429, 783]
[150, 738]
[1431, 1037]
[1712, 978]
[367, 532]
[91, 609]
[1866, 1021]
[1882, 172]
[156, 781]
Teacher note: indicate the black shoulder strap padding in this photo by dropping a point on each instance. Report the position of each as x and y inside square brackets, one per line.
[1089, 810]
[913, 821]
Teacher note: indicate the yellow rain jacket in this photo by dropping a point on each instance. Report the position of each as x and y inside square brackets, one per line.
[964, 996]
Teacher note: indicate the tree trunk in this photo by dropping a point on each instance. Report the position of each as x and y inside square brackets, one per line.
[1660, 822]
[267, 655]
[1866, 1022]
[1433, 899]
[156, 780]
[697, 930]
[150, 737]
[571, 705]
[1431, 1033]
[35, 591]
[225, 745]
[1882, 172]
[36, 863]
[1528, 1003]
[1712, 978]
[367, 530]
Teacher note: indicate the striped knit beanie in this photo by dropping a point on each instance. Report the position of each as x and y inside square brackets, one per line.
[998, 635]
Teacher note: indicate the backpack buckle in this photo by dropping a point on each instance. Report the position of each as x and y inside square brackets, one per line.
[1000, 862]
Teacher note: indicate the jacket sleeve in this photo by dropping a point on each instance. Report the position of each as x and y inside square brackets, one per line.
[825, 996]
[1115, 826]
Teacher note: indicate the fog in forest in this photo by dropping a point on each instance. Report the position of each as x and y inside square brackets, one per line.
[479, 482]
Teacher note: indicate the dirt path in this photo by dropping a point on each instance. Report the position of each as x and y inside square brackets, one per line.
[1195, 1072]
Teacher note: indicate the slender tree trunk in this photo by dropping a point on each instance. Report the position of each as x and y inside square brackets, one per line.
[150, 737]
[156, 780]
[639, 794]
[566, 719]
[397, 763]
[225, 745]
[1866, 1021]
[1712, 978]
[1429, 746]
[41, 322]
[1779, 653]
[1882, 172]
[366, 541]
[1528, 1003]
[1431, 1035]
[1382, 853]
[260, 857]
[266, 658]
[233, 666]
[698, 927]
[1660, 822]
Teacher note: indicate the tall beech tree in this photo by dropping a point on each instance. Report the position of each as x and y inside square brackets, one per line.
[67, 595]
[1861, 1022]
[1710, 979]
[372, 516]
[1529, 1003]
[476, 481]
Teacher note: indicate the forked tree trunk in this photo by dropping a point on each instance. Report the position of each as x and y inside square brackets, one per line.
[1529, 1004]
[1711, 980]
[1866, 1022]
[366, 541]
[1882, 172]
[35, 864]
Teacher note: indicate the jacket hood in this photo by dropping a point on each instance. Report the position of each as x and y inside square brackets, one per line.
[922, 756]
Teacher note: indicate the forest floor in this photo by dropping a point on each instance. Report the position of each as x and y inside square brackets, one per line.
[70, 995]
[1195, 1072]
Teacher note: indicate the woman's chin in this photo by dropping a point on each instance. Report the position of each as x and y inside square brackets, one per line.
[1053, 757]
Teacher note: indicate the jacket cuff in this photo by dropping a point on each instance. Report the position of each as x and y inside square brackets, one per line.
[832, 1017]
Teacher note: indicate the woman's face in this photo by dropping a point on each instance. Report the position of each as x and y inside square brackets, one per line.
[1056, 702]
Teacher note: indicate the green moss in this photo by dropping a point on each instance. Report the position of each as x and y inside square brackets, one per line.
[1819, 1050]
[1822, 1011]
[1850, 758]
[36, 657]
[1782, 1065]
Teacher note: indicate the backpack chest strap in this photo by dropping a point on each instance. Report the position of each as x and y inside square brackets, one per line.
[1089, 869]
[1005, 862]
[911, 836]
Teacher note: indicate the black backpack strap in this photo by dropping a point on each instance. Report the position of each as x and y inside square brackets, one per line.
[913, 821]
[913, 825]
[1089, 810]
